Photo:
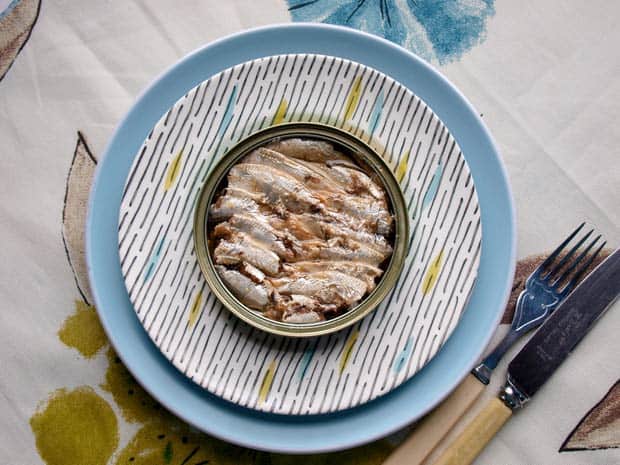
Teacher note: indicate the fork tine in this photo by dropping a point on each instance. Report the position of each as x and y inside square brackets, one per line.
[568, 256]
[571, 284]
[581, 256]
[555, 253]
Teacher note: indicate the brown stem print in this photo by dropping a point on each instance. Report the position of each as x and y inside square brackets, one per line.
[525, 267]
[15, 27]
[600, 427]
[74, 213]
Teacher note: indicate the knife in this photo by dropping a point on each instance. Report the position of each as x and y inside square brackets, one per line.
[532, 308]
[539, 359]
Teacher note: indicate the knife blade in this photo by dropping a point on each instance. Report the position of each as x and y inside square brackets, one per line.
[564, 329]
[539, 358]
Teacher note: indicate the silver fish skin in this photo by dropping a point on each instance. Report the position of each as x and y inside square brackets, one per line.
[313, 226]
[304, 226]
[331, 287]
[337, 249]
[344, 249]
[301, 231]
[307, 149]
[252, 272]
[251, 294]
[286, 307]
[227, 206]
[243, 194]
[348, 178]
[359, 270]
[302, 317]
[241, 248]
[356, 181]
[300, 302]
[309, 177]
[371, 215]
[278, 186]
[375, 241]
[314, 237]
[256, 226]
[259, 228]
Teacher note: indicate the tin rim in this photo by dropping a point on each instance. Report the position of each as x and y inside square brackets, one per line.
[361, 153]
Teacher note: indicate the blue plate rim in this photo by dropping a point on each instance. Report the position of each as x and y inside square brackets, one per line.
[318, 432]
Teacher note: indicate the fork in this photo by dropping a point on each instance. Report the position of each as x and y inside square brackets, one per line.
[547, 286]
[544, 290]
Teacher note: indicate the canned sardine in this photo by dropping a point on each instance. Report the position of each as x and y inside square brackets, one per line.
[301, 229]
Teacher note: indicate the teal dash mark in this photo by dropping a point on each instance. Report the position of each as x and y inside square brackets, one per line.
[228, 113]
[305, 361]
[431, 192]
[376, 114]
[402, 358]
[153, 261]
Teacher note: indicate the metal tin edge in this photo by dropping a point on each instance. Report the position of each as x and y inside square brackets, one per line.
[369, 157]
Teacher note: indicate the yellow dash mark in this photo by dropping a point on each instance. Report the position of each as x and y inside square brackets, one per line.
[265, 386]
[353, 98]
[348, 348]
[401, 169]
[173, 171]
[432, 273]
[195, 310]
[280, 112]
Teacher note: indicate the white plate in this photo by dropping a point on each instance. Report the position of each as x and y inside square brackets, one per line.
[235, 361]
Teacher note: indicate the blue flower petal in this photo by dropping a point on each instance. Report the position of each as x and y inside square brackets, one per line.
[437, 30]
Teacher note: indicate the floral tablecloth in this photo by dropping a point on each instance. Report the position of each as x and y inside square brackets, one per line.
[543, 74]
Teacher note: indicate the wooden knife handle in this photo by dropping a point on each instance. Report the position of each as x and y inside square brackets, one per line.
[476, 435]
[437, 424]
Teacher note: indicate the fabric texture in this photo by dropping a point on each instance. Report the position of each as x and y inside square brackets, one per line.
[542, 74]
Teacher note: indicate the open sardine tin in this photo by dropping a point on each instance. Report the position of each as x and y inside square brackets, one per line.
[367, 159]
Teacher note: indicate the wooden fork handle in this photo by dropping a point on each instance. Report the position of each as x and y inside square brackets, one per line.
[476, 435]
[436, 425]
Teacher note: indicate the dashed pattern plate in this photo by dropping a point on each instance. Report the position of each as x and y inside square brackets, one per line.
[242, 364]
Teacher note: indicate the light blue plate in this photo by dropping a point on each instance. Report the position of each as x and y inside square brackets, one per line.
[322, 432]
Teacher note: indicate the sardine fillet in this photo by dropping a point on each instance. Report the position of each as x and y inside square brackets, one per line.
[329, 287]
[240, 248]
[249, 293]
[309, 150]
[300, 231]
